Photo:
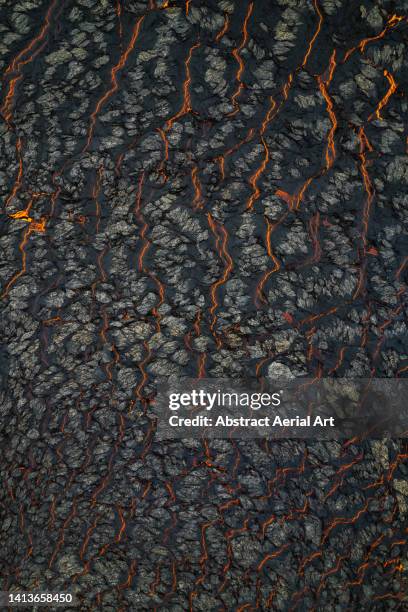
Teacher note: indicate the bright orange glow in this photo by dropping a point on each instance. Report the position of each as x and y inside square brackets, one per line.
[222, 158]
[24, 215]
[223, 29]
[393, 21]
[299, 197]
[259, 290]
[315, 35]
[330, 149]
[114, 83]
[14, 66]
[38, 226]
[384, 101]
[253, 181]
[269, 116]
[20, 60]
[21, 214]
[237, 55]
[186, 107]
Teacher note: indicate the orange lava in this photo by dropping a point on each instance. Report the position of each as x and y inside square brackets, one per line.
[114, 83]
[221, 236]
[22, 59]
[392, 22]
[315, 35]
[384, 101]
[237, 55]
[323, 84]
[186, 107]
[259, 290]
[253, 181]
[223, 29]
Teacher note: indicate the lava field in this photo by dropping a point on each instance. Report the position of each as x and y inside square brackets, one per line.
[209, 189]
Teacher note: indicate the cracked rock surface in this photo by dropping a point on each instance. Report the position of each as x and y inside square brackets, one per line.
[193, 189]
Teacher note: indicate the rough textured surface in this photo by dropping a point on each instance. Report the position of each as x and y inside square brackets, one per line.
[201, 188]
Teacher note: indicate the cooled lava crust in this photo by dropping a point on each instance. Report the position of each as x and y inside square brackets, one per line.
[199, 189]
